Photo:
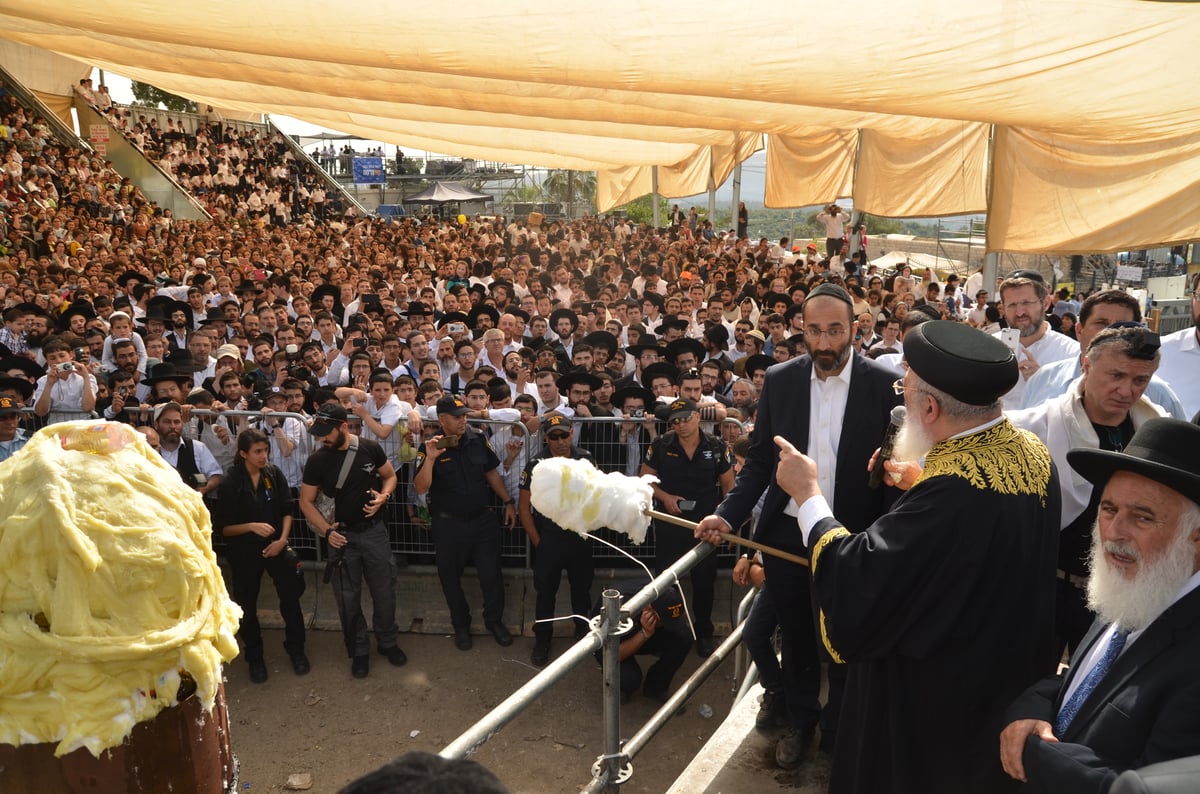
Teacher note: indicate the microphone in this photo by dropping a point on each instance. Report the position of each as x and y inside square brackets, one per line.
[885, 448]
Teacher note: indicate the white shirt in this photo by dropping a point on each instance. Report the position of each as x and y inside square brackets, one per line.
[66, 397]
[1052, 347]
[1088, 662]
[827, 410]
[1180, 367]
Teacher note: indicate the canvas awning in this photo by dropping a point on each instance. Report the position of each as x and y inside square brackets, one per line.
[443, 192]
[1075, 124]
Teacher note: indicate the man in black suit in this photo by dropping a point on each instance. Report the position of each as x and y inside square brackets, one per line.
[835, 405]
[1131, 696]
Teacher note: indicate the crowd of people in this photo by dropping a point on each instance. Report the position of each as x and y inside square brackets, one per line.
[311, 342]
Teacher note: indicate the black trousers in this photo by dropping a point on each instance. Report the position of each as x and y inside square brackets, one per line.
[248, 565]
[558, 551]
[367, 555]
[787, 586]
[671, 543]
[459, 543]
[671, 649]
[759, 636]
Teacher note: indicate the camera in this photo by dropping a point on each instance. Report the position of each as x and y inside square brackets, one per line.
[123, 391]
[293, 352]
[299, 372]
[66, 366]
[456, 328]
[637, 413]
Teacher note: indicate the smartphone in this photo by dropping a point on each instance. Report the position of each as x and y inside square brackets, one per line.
[687, 505]
[447, 442]
[1012, 338]
[359, 343]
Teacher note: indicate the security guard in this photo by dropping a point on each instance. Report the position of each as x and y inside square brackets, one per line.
[694, 471]
[456, 468]
[557, 549]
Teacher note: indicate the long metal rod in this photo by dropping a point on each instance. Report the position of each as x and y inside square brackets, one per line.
[611, 766]
[512, 706]
[729, 537]
[688, 688]
[740, 658]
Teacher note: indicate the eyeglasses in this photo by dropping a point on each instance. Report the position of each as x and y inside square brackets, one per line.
[834, 334]
[681, 419]
[899, 387]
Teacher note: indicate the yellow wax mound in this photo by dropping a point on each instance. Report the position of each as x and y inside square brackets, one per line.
[109, 588]
[580, 498]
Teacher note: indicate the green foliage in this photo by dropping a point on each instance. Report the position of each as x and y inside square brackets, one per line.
[146, 95]
[570, 187]
[523, 193]
[640, 210]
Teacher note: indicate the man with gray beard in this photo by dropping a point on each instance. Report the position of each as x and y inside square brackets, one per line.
[1131, 696]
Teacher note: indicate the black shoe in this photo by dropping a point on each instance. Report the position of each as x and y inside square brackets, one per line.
[705, 647]
[462, 639]
[300, 663]
[258, 671]
[500, 632]
[790, 749]
[772, 712]
[395, 656]
[360, 666]
[541, 653]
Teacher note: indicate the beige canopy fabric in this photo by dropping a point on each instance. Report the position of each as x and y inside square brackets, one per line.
[1086, 109]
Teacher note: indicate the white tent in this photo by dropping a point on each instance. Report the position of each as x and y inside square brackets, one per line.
[1075, 124]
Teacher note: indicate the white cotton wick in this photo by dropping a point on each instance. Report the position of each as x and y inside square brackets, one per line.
[580, 498]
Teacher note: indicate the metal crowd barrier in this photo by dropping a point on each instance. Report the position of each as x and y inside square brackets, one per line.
[615, 765]
[408, 522]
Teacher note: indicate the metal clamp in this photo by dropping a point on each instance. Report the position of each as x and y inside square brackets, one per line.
[623, 775]
[624, 625]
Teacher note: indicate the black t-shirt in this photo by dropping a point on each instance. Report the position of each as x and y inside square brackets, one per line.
[324, 467]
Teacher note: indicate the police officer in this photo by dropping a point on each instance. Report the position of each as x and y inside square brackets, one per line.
[661, 630]
[358, 538]
[694, 471]
[557, 549]
[456, 469]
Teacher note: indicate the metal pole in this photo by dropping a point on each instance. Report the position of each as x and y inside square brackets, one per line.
[654, 195]
[611, 765]
[737, 197]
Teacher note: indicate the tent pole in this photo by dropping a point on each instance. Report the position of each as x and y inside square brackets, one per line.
[654, 195]
[737, 199]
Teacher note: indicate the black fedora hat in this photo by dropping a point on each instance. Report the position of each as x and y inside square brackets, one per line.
[603, 339]
[1163, 450]
[659, 370]
[624, 393]
[165, 372]
[28, 366]
[565, 382]
[758, 361]
[684, 345]
[182, 360]
[81, 308]
[213, 315]
[20, 385]
[561, 313]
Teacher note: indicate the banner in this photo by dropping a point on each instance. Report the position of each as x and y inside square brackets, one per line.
[369, 171]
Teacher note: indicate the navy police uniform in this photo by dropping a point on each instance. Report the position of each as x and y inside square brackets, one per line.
[465, 530]
[694, 478]
[558, 550]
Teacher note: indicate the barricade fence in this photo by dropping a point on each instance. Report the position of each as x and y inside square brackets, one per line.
[616, 445]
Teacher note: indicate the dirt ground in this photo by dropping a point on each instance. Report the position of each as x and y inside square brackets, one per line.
[336, 727]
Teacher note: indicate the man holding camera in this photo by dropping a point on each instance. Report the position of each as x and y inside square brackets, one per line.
[67, 391]
[358, 537]
[457, 468]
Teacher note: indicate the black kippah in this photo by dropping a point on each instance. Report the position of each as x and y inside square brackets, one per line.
[962, 361]
[833, 291]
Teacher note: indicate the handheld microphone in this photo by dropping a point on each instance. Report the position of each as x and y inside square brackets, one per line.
[886, 448]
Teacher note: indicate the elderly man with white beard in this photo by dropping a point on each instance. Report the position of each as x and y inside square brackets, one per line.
[1131, 696]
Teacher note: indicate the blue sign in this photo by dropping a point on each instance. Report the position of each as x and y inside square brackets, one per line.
[369, 171]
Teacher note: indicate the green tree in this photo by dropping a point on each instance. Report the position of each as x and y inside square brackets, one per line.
[570, 187]
[524, 193]
[146, 95]
[640, 210]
